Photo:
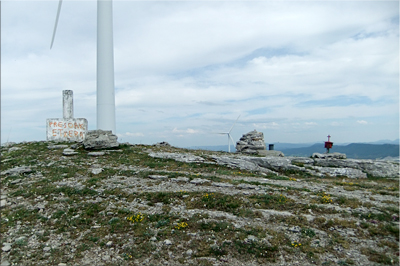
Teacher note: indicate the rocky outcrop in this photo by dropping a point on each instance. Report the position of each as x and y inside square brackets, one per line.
[251, 143]
[335, 155]
[180, 157]
[311, 166]
[100, 139]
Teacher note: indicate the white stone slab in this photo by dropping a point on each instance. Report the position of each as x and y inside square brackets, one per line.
[59, 129]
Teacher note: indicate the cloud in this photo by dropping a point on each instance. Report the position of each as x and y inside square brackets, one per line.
[134, 134]
[187, 131]
[184, 68]
[362, 122]
[271, 125]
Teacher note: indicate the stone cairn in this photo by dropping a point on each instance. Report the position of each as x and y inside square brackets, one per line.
[100, 139]
[251, 143]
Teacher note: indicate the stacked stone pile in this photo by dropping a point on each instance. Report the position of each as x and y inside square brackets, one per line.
[251, 143]
[100, 139]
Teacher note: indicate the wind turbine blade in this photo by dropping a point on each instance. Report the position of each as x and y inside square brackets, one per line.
[220, 133]
[55, 25]
[234, 124]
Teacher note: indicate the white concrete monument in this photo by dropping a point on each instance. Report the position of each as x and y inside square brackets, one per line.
[67, 128]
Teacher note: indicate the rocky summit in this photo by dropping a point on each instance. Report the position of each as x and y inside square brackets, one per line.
[65, 204]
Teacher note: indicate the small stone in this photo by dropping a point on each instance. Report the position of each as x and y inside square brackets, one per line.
[158, 176]
[199, 181]
[3, 203]
[62, 264]
[109, 243]
[180, 179]
[221, 184]
[16, 181]
[97, 171]
[294, 229]
[69, 152]
[153, 238]
[250, 238]
[5, 263]
[189, 252]
[47, 249]
[40, 206]
[99, 153]
[6, 247]
[167, 242]
[55, 147]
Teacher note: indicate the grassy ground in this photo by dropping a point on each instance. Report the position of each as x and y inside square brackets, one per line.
[63, 212]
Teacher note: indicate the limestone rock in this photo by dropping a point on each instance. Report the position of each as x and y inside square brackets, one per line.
[335, 155]
[349, 172]
[55, 147]
[100, 139]
[6, 247]
[96, 171]
[199, 181]
[17, 170]
[162, 144]
[180, 157]
[96, 153]
[268, 153]
[5, 263]
[158, 177]
[69, 152]
[251, 142]
[236, 162]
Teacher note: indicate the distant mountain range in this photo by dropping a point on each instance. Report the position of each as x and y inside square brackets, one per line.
[353, 150]
[375, 150]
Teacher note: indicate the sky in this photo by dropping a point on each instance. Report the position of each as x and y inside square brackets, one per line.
[185, 70]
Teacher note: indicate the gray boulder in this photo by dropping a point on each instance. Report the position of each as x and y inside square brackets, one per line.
[232, 162]
[100, 139]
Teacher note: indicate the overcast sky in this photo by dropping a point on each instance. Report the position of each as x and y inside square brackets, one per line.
[296, 71]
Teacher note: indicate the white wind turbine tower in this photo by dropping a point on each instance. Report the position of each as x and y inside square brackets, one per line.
[105, 65]
[229, 135]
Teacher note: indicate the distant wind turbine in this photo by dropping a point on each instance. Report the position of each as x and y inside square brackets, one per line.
[229, 135]
[105, 64]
